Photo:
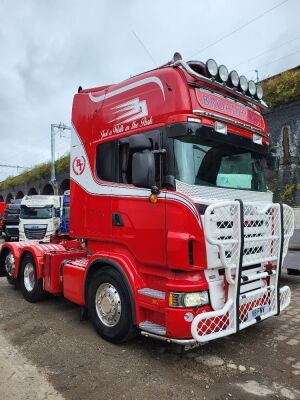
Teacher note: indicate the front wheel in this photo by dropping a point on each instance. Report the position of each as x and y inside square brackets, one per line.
[110, 307]
[31, 287]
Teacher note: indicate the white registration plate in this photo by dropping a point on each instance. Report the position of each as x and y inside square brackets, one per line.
[258, 311]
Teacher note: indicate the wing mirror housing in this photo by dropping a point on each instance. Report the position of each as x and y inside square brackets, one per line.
[143, 169]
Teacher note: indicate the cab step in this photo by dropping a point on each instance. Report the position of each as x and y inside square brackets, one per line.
[151, 327]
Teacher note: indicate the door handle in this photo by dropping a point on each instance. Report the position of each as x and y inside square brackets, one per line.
[117, 219]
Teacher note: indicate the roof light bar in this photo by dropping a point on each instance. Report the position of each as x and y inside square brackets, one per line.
[232, 78]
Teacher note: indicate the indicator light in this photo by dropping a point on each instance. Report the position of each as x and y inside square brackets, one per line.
[153, 198]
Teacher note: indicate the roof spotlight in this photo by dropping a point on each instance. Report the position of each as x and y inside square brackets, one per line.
[223, 73]
[252, 88]
[259, 92]
[243, 83]
[234, 79]
[211, 67]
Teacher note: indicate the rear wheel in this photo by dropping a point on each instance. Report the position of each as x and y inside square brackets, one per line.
[110, 307]
[9, 265]
[31, 287]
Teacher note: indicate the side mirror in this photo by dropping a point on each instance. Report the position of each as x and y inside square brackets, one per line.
[273, 161]
[57, 212]
[143, 169]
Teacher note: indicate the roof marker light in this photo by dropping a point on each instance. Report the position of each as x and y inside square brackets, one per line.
[221, 128]
[211, 68]
[257, 139]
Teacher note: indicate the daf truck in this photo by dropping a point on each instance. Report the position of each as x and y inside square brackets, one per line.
[40, 217]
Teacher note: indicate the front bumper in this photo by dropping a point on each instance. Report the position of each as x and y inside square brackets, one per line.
[220, 323]
[213, 325]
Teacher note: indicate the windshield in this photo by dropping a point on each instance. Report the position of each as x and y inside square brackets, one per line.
[36, 212]
[198, 162]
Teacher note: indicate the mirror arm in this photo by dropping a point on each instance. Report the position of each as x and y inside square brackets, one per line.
[155, 190]
[160, 153]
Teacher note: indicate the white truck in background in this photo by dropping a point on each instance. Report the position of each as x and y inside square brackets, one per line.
[40, 217]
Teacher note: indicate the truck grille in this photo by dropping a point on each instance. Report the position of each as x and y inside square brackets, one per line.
[36, 234]
[12, 232]
[261, 232]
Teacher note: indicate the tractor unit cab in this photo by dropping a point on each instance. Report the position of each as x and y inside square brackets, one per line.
[177, 234]
[2, 208]
[168, 170]
[40, 217]
[11, 218]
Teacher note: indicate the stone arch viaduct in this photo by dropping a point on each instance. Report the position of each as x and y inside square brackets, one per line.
[40, 186]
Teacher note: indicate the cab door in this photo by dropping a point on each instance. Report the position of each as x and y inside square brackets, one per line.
[139, 226]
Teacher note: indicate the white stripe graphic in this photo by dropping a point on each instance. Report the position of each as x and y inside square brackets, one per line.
[145, 81]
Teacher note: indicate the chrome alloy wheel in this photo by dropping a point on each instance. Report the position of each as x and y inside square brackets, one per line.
[10, 265]
[29, 277]
[108, 304]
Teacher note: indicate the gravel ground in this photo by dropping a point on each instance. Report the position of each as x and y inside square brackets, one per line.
[262, 361]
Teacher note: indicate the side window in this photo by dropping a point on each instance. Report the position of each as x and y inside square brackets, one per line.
[107, 161]
[114, 158]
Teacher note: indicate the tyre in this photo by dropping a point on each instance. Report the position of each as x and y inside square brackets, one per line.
[109, 306]
[31, 287]
[9, 266]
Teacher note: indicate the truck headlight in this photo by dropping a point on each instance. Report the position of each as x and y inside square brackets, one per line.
[187, 300]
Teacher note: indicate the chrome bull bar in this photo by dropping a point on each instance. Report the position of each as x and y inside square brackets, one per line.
[246, 234]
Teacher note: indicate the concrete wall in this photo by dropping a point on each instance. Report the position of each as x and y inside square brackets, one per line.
[284, 126]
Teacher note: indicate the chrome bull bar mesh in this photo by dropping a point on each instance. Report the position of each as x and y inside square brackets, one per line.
[246, 234]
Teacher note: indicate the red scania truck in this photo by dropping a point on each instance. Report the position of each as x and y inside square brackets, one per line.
[173, 232]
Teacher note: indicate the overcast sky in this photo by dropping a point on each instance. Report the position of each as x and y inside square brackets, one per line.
[50, 47]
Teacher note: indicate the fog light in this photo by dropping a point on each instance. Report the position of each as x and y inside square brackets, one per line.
[188, 317]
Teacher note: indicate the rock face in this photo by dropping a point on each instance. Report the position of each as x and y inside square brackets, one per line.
[284, 127]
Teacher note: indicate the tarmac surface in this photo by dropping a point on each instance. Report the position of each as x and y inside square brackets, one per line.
[47, 353]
